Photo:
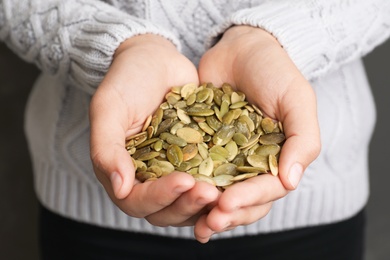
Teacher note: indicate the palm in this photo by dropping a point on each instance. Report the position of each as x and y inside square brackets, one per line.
[251, 60]
[144, 80]
[136, 84]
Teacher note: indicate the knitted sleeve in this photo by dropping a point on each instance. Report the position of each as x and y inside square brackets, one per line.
[318, 35]
[73, 39]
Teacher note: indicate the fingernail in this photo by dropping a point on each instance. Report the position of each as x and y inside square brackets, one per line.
[180, 189]
[295, 174]
[226, 226]
[116, 182]
[201, 202]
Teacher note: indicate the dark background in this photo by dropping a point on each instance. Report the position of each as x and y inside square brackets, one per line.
[18, 205]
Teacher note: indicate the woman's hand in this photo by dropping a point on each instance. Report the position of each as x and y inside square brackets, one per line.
[143, 70]
[252, 61]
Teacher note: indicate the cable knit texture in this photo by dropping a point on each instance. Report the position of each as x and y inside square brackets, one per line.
[73, 42]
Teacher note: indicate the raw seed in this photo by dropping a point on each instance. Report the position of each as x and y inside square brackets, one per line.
[223, 180]
[175, 155]
[201, 177]
[226, 168]
[273, 164]
[206, 167]
[189, 135]
[189, 152]
[212, 133]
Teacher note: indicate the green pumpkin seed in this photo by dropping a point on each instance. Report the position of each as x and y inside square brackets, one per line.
[266, 150]
[184, 166]
[223, 180]
[191, 99]
[218, 149]
[188, 89]
[190, 135]
[244, 176]
[206, 167]
[240, 139]
[239, 104]
[173, 139]
[148, 156]
[232, 148]
[213, 122]
[196, 161]
[250, 169]
[165, 166]
[183, 116]
[147, 142]
[217, 157]
[272, 138]
[144, 176]
[195, 111]
[140, 165]
[221, 135]
[203, 95]
[268, 125]
[224, 135]
[206, 128]
[201, 177]
[258, 161]
[273, 165]
[155, 169]
[227, 89]
[226, 168]
[175, 155]
[189, 152]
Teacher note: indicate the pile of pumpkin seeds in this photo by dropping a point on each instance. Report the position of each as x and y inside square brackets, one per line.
[212, 133]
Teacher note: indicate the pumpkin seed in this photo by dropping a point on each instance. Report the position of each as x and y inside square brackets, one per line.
[189, 152]
[268, 125]
[223, 180]
[273, 165]
[272, 138]
[206, 167]
[189, 135]
[224, 135]
[258, 161]
[244, 176]
[201, 177]
[144, 176]
[212, 133]
[175, 155]
[226, 168]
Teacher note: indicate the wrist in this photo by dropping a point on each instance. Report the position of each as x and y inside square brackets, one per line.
[145, 40]
[245, 34]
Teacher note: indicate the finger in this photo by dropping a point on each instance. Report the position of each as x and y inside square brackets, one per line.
[107, 142]
[191, 203]
[255, 191]
[301, 128]
[202, 231]
[152, 196]
[218, 221]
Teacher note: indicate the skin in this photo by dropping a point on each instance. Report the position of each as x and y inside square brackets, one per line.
[143, 70]
[252, 61]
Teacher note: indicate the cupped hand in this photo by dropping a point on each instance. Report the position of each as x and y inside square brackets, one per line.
[252, 61]
[143, 69]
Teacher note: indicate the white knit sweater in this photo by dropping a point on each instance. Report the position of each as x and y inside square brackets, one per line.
[73, 42]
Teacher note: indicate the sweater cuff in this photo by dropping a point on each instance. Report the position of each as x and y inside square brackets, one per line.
[292, 25]
[93, 48]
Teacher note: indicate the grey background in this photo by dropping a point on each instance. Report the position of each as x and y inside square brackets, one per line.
[18, 205]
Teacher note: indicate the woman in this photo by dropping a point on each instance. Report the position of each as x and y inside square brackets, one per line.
[300, 62]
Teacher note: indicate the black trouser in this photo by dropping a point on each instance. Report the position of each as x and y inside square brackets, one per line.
[62, 238]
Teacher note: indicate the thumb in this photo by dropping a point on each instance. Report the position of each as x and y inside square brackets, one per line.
[302, 145]
[111, 161]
